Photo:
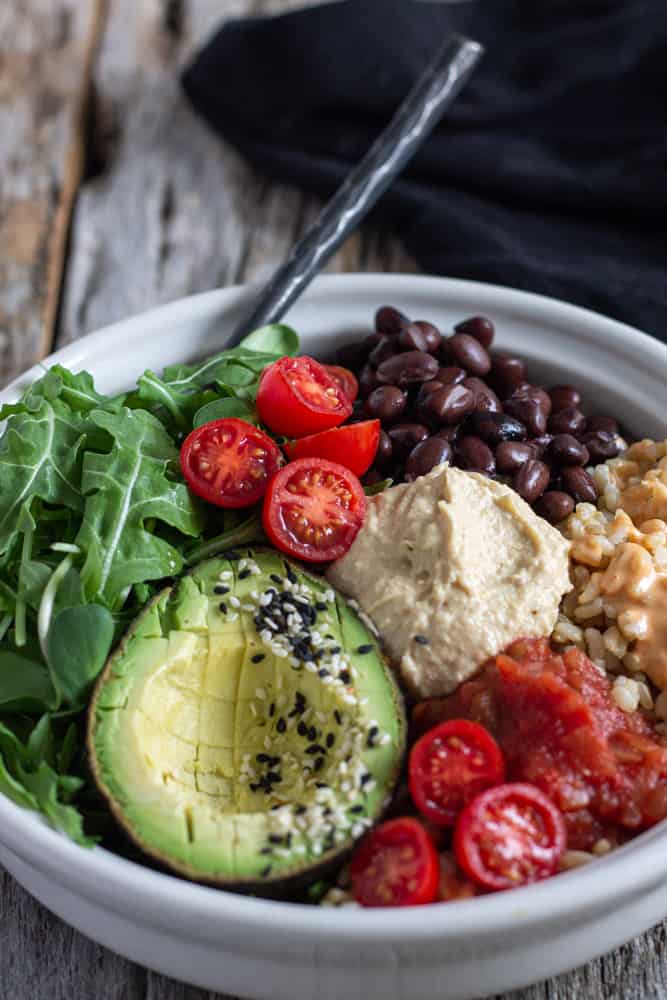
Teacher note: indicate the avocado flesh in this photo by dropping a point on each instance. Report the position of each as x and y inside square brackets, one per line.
[228, 760]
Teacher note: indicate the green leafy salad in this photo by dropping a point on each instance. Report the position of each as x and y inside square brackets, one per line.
[94, 516]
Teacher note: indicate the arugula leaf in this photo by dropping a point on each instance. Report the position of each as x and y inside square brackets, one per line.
[122, 490]
[221, 408]
[78, 645]
[277, 338]
[38, 458]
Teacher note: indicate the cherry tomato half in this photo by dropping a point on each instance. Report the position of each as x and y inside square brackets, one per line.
[346, 380]
[313, 509]
[297, 396]
[395, 865]
[508, 836]
[353, 446]
[229, 462]
[451, 764]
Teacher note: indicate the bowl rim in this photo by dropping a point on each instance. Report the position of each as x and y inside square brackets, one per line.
[199, 911]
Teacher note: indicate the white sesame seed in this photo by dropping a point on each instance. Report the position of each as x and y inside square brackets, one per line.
[267, 743]
[260, 693]
[232, 617]
[248, 607]
[253, 708]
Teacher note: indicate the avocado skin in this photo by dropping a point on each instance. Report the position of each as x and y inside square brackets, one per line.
[288, 882]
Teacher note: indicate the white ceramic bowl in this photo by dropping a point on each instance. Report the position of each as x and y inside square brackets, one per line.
[256, 948]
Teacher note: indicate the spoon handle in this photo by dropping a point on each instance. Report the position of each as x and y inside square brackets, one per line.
[413, 122]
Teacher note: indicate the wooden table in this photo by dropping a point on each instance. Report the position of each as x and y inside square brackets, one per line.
[114, 198]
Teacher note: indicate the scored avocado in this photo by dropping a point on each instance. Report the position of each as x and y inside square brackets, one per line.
[247, 731]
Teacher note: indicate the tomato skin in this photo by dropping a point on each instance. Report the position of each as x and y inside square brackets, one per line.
[382, 875]
[451, 764]
[346, 380]
[235, 475]
[508, 836]
[354, 445]
[297, 396]
[322, 493]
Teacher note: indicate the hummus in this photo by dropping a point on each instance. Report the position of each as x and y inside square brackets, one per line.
[451, 569]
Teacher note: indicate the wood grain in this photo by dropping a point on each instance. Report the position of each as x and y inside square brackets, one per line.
[166, 209]
[45, 49]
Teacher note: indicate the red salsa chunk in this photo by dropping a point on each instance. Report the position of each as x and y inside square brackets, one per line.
[559, 729]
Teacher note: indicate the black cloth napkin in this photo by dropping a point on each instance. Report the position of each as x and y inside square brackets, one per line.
[550, 171]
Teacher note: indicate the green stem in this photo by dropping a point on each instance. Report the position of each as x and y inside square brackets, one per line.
[247, 532]
[20, 636]
[45, 614]
[5, 622]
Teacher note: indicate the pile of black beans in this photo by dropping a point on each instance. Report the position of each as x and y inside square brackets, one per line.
[451, 399]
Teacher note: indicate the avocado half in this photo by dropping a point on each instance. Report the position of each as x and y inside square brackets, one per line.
[247, 731]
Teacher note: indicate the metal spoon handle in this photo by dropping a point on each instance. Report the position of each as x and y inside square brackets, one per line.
[413, 122]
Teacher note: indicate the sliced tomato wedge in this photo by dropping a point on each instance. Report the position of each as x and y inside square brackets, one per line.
[395, 865]
[353, 446]
[346, 380]
[451, 764]
[313, 509]
[509, 836]
[297, 396]
[229, 462]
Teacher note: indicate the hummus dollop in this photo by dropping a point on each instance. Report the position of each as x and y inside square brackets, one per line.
[451, 569]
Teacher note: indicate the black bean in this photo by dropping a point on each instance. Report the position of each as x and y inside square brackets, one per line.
[467, 352]
[385, 449]
[425, 456]
[566, 450]
[479, 327]
[373, 476]
[358, 411]
[450, 373]
[390, 321]
[555, 506]
[450, 434]
[409, 368]
[602, 424]
[370, 341]
[563, 397]
[404, 437]
[472, 453]
[531, 480]
[541, 443]
[511, 455]
[539, 394]
[496, 427]
[385, 348]
[485, 397]
[411, 338]
[432, 334]
[579, 484]
[529, 409]
[386, 403]
[507, 372]
[568, 421]
[368, 381]
[351, 356]
[450, 404]
[601, 445]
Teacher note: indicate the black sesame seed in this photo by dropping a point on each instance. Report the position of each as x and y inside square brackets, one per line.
[254, 787]
[331, 739]
[266, 871]
[300, 810]
[329, 636]
[281, 725]
[320, 606]
[272, 709]
[220, 589]
[356, 809]
[366, 648]
[262, 758]
[291, 575]
[231, 555]
[345, 676]
[312, 734]
[421, 639]
[365, 778]
[327, 811]
[276, 578]
[338, 717]
[321, 784]
[244, 574]
[273, 808]
[302, 729]
[274, 778]
[314, 748]
[288, 840]
[322, 672]
[266, 850]
[334, 650]
[258, 657]
[223, 607]
[319, 763]
[273, 761]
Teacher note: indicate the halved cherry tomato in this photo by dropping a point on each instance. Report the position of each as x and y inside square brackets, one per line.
[451, 764]
[229, 462]
[353, 446]
[395, 865]
[313, 509]
[508, 836]
[297, 396]
[346, 380]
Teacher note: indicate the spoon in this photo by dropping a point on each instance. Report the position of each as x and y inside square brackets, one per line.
[414, 121]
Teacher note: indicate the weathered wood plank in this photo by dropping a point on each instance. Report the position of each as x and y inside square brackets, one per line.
[174, 210]
[43, 46]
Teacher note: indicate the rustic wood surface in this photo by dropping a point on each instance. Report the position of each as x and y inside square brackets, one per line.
[163, 208]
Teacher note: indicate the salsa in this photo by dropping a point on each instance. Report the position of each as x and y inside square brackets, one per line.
[554, 718]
